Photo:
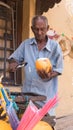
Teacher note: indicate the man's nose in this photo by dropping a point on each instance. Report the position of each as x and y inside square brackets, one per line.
[39, 31]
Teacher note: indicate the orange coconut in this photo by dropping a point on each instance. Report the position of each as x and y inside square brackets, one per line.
[4, 125]
[41, 125]
[43, 64]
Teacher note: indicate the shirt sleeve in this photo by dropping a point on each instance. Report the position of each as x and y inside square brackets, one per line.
[58, 60]
[18, 54]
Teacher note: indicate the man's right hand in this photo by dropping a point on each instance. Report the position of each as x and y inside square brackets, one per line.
[13, 66]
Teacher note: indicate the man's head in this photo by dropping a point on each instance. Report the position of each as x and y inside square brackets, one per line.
[39, 27]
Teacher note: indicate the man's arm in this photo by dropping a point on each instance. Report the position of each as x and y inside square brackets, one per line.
[13, 65]
[48, 76]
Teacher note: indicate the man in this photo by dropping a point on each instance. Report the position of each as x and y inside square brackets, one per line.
[32, 49]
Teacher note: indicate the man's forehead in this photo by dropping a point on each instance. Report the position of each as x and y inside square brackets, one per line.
[40, 23]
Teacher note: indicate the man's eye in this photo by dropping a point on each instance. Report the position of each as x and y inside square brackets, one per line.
[39, 29]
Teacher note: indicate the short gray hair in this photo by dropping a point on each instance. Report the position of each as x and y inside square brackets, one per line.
[37, 17]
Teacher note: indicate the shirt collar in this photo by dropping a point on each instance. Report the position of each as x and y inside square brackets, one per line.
[33, 41]
[48, 46]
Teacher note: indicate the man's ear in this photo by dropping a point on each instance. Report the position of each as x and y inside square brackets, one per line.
[32, 28]
[48, 27]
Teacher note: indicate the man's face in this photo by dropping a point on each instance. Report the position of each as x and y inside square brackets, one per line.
[40, 29]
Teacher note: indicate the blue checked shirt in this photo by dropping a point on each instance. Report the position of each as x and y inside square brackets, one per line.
[28, 52]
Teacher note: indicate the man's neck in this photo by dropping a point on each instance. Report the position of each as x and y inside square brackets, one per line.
[41, 43]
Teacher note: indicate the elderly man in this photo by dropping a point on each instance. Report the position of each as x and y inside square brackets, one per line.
[40, 46]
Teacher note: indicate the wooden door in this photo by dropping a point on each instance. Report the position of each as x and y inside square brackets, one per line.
[10, 36]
